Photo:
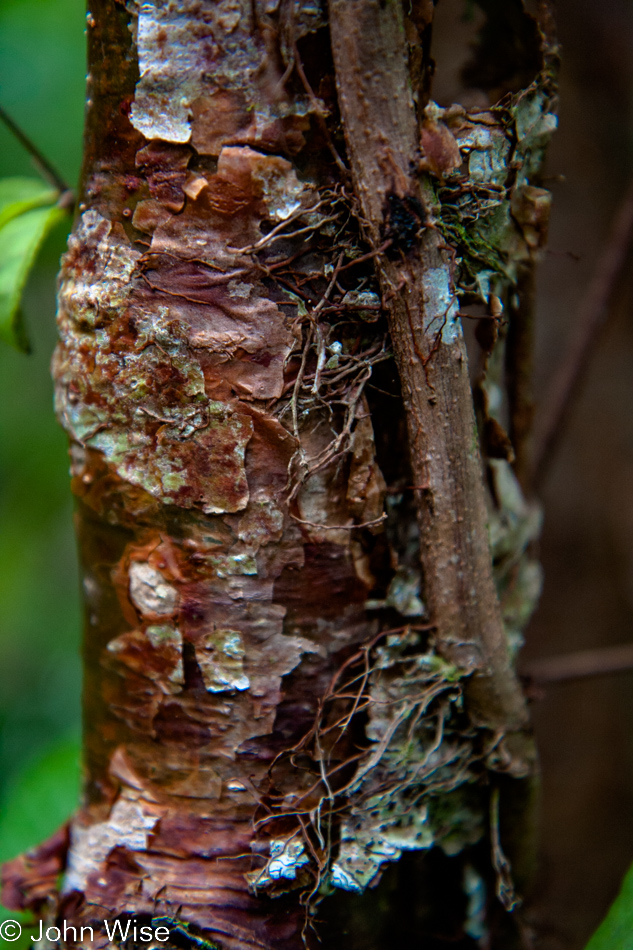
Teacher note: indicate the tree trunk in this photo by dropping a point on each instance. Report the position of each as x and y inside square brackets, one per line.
[298, 649]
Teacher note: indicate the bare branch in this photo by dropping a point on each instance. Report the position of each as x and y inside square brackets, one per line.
[591, 321]
[573, 666]
[45, 168]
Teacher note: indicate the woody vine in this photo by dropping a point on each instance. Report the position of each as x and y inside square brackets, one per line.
[307, 536]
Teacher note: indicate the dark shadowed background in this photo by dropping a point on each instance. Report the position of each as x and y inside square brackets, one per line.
[584, 729]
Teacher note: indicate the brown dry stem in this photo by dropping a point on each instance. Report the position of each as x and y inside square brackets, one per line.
[381, 129]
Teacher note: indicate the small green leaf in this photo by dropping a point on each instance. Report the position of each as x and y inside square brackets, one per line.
[616, 930]
[40, 799]
[18, 195]
[21, 237]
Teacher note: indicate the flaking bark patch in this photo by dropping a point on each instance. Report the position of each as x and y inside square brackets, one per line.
[129, 386]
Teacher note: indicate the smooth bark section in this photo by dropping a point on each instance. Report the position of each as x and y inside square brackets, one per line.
[369, 47]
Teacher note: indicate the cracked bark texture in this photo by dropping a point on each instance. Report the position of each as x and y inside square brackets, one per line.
[267, 698]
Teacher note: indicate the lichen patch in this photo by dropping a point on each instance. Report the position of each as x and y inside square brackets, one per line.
[155, 653]
[287, 856]
[220, 656]
[181, 44]
[128, 826]
[129, 384]
[150, 592]
[168, 83]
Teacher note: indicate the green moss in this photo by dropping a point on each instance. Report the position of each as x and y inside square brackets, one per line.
[475, 215]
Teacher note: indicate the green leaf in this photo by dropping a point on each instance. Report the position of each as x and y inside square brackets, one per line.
[18, 195]
[21, 237]
[40, 799]
[616, 930]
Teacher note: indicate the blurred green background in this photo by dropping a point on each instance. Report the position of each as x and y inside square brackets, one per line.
[42, 86]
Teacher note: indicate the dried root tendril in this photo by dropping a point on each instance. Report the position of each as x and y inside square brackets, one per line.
[409, 786]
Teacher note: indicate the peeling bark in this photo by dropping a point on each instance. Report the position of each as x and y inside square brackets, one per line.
[277, 704]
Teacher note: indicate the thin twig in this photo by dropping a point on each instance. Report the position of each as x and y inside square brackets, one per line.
[321, 358]
[318, 110]
[275, 232]
[337, 446]
[505, 885]
[297, 386]
[371, 255]
[592, 317]
[572, 666]
[341, 527]
[44, 166]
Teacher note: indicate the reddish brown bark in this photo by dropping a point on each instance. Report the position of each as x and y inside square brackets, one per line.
[270, 709]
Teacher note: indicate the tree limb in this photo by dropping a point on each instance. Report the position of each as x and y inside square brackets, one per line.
[381, 130]
[590, 321]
